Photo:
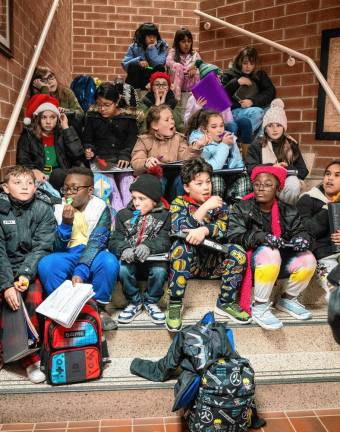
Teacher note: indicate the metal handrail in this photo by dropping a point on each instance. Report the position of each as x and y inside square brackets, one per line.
[280, 47]
[22, 94]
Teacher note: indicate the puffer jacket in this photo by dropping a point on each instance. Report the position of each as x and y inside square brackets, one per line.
[27, 232]
[155, 55]
[246, 225]
[151, 230]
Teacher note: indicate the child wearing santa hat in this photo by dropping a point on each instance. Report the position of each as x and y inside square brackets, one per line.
[47, 143]
[264, 225]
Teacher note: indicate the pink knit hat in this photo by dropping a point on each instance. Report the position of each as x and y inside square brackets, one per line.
[275, 114]
[279, 172]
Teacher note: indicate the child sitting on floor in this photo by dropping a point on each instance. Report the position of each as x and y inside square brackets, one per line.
[263, 225]
[27, 228]
[82, 236]
[201, 215]
[142, 229]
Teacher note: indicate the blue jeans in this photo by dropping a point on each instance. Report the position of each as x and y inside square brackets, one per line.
[57, 267]
[242, 128]
[172, 186]
[254, 114]
[156, 275]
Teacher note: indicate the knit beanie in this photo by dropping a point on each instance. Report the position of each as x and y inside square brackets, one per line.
[275, 114]
[205, 68]
[156, 75]
[279, 172]
[149, 185]
[38, 104]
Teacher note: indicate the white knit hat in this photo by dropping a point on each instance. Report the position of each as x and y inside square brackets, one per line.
[275, 114]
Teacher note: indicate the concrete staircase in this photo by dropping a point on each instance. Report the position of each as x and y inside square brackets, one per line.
[297, 367]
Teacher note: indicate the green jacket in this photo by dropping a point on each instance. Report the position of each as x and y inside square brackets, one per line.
[27, 234]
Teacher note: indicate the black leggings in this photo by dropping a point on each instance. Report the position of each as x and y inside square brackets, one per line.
[139, 77]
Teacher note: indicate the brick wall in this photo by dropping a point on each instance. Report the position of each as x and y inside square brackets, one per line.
[103, 29]
[296, 24]
[28, 21]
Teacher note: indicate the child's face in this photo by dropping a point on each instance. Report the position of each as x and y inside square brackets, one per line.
[106, 107]
[274, 131]
[247, 66]
[265, 186]
[331, 180]
[165, 125]
[150, 40]
[215, 128]
[199, 188]
[185, 45]
[161, 86]
[50, 81]
[79, 188]
[21, 187]
[142, 202]
[48, 121]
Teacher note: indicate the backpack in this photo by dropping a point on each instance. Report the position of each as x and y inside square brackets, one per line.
[71, 355]
[225, 397]
[84, 87]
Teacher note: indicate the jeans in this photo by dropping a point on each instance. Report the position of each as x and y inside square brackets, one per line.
[253, 114]
[156, 275]
[241, 127]
[172, 186]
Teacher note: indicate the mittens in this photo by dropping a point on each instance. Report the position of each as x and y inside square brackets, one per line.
[142, 252]
[128, 255]
[300, 244]
[273, 241]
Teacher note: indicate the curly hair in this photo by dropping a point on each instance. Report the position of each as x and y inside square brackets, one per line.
[192, 167]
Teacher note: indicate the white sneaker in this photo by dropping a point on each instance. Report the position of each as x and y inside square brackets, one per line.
[156, 315]
[34, 374]
[263, 316]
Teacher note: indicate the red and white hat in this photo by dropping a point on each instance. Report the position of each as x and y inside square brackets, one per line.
[39, 103]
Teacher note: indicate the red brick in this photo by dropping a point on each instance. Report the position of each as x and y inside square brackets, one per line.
[260, 26]
[306, 78]
[291, 21]
[309, 115]
[232, 9]
[292, 115]
[284, 69]
[324, 15]
[299, 126]
[258, 4]
[302, 6]
[187, 5]
[298, 103]
[310, 90]
[309, 29]
[328, 3]
[273, 12]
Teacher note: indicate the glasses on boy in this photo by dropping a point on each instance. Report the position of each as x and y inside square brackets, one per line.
[264, 186]
[72, 189]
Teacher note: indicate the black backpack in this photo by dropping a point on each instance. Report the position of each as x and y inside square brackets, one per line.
[225, 398]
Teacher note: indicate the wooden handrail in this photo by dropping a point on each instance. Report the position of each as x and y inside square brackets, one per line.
[280, 47]
[24, 88]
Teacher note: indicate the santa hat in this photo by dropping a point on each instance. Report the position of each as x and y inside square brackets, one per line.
[205, 68]
[278, 172]
[275, 114]
[156, 75]
[39, 103]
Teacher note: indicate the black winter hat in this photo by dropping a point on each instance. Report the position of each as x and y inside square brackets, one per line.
[149, 185]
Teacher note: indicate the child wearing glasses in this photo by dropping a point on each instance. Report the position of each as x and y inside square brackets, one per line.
[27, 229]
[48, 145]
[109, 136]
[263, 225]
[160, 93]
[82, 236]
[277, 148]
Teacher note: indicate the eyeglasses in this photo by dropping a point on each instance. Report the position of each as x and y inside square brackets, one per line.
[265, 186]
[104, 105]
[49, 78]
[164, 85]
[73, 189]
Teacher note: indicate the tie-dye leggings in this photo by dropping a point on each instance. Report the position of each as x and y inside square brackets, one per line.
[268, 264]
[187, 261]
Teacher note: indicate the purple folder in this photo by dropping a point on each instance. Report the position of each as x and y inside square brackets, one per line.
[212, 90]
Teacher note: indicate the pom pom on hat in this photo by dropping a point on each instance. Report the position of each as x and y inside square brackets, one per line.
[279, 172]
[156, 75]
[275, 114]
[40, 103]
[205, 68]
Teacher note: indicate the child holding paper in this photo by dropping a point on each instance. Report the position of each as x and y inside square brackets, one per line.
[27, 227]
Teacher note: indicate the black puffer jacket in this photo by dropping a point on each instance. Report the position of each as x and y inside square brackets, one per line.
[246, 226]
[26, 235]
[110, 138]
[266, 89]
[69, 150]
[314, 214]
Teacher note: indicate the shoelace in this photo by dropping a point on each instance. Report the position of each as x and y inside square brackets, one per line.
[153, 308]
[175, 311]
[267, 309]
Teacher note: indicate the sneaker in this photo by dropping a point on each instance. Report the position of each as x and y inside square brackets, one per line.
[263, 316]
[232, 311]
[173, 316]
[293, 308]
[108, 323]
[156, 315]
[34, 374]
[130, 313]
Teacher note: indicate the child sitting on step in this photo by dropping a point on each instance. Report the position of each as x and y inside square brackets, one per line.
[27, 228]
[201, 215]
[262, 224]
[84, 225]
[142, 229]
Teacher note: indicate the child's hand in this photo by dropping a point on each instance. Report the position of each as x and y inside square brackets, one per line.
[244, 81]
[142, 252]
[151, 162]
[203, 141]
[214, 202]
[76, 279]
[63, 121]
[68, 215]
[192, 72]
[228, 139]
[11, 297]
[246, 103]
[21, 284]
[143, 64]
[40, 177]
[335, 237]
[281, 164]
[37, 83]
[123, 164]
[128, 255]
[196, 236]
[201, 101]
[89, 154]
